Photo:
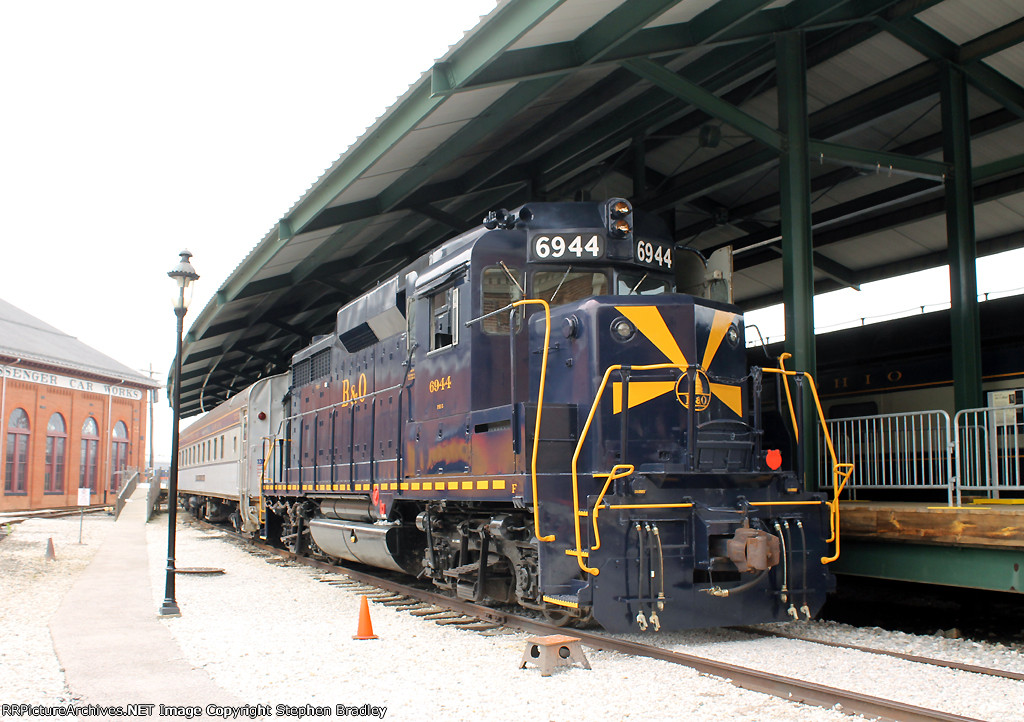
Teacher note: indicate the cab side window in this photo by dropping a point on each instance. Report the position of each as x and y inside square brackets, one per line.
[444, 318]
[499, 288]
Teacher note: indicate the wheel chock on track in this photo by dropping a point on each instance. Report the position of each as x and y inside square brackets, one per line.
[556, 650]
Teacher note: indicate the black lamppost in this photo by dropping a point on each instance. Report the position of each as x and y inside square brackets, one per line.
[183, 274]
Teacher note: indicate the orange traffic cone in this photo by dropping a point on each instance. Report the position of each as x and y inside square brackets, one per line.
[365, 630]
[49, 550]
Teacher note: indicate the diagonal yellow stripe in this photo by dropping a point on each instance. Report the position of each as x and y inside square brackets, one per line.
[731, 396]
[649, 321]
[719, 327]
[640, 392]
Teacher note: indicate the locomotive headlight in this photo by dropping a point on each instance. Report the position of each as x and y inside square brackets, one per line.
[620, 228]
[620, 209]
[622, 329]
[733, 336]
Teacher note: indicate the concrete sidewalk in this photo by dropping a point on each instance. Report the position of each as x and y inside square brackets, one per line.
[108, 636]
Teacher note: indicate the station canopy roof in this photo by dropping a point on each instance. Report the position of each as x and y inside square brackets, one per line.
[672, 104]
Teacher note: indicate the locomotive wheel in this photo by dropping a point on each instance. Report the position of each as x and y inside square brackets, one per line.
[557, 616]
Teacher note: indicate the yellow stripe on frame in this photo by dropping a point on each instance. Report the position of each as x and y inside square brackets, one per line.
[482, 484]
[453, 485]
[467, 485]
[498, 484]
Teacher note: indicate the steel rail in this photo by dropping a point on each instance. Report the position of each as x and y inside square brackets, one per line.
[788, 688]
[933, 661]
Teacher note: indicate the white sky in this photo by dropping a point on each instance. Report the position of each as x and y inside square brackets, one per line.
[132, 130]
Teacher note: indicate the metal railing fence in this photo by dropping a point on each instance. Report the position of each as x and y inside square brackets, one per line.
[988, 450]
[981, 452]
[894, 451]
[126, 490]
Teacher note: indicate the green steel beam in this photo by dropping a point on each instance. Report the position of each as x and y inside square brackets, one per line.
[711, 104]
[992, 42]
[1006, 165]
[617, 36]
[716, 70]
[623, 23]
[482, 47]
[797, 245]
[459, 225]
[729, 23]
[980, 126]
[834, 270]
[315, 259]
[990, 247]
[963, 279]
[997, 568]
[866, 158]
[937, 46]
[484, 124]
[646, 107]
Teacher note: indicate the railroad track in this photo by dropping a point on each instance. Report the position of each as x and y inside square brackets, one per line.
[17, 517]
[443, 609]
[989, 671]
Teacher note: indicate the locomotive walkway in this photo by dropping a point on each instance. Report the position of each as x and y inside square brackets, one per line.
[107, 635]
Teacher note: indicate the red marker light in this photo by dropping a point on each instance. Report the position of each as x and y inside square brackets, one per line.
[773, 459]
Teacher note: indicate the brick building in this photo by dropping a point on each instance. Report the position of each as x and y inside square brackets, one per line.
[71, 416]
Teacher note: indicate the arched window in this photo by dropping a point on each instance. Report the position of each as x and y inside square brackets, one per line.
[56, 444]
[118, 455]
[16, 471]
[88, 461]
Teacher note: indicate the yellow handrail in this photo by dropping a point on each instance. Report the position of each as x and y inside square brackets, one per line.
[789, 397]
[579, 553]
[618, 471]
[540, 406]
[841, 472]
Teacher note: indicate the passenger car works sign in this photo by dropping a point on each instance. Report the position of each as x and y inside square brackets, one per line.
[16, 373]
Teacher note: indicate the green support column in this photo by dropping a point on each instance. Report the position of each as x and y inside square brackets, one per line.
[963, 278]
[797, 246]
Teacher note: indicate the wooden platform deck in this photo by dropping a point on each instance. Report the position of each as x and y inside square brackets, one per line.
[978, 545]
[988, 524]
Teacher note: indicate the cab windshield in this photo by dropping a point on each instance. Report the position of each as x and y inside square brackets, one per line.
[558, 287]
[640, 284]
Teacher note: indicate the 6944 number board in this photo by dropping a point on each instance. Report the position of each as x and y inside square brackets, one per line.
[653, 254]
[567, 247]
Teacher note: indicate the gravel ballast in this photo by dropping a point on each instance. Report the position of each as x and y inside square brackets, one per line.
[272, 634]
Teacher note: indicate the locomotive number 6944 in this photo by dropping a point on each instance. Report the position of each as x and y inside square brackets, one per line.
[600, 449]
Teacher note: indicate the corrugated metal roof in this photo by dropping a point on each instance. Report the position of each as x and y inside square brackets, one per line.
[24, 337]
[542, 100]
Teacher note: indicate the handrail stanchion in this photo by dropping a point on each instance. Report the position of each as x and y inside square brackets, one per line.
[841, 472]
[540, 401]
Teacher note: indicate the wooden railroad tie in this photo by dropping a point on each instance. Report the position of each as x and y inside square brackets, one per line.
[555, 650]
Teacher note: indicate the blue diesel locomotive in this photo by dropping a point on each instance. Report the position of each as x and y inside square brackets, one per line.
[532, 414]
